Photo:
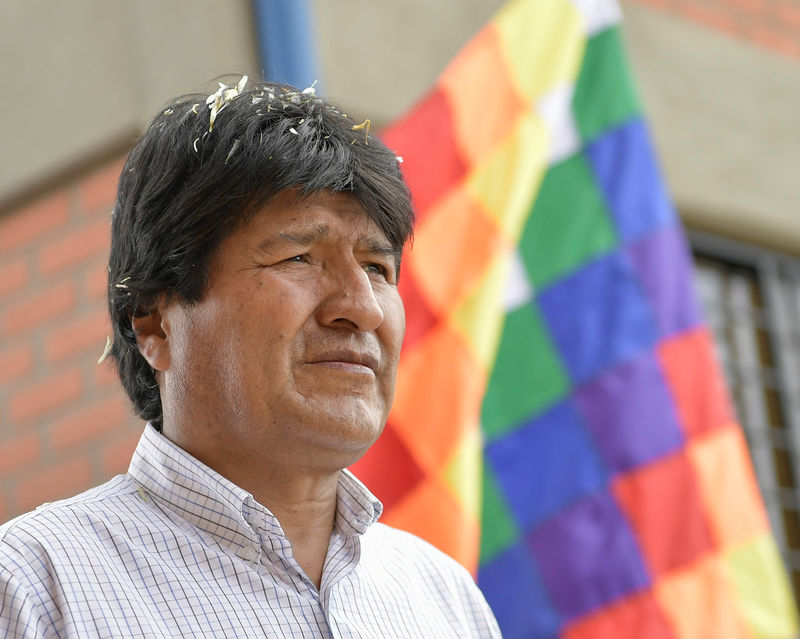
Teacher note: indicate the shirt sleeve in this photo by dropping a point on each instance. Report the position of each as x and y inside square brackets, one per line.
[481, 617]
[19, 615]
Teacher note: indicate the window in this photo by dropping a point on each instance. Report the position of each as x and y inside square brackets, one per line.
[751, 299]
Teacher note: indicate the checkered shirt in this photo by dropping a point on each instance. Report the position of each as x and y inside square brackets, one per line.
[173, 549]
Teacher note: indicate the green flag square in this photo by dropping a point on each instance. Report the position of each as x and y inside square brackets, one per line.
[604, 93]
[498, 530]
[569, 223]
[527, 377]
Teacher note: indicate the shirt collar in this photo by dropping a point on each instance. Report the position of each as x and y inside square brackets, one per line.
[356, 507]
[212, 503]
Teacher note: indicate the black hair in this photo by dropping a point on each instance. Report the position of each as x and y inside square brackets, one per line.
[201, 169]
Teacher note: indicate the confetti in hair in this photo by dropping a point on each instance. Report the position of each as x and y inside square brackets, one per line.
[106, 350]
[235, 146]
[221, 98]
[364, 125]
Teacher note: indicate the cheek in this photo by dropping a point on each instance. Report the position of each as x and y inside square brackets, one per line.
[393, 328]
[209, 334]
[207, 346]
[269, 327]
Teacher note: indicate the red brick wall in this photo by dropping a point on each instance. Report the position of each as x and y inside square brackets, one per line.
[774, 24]
[65, 423]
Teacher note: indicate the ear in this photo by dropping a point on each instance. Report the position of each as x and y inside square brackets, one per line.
[152, 336]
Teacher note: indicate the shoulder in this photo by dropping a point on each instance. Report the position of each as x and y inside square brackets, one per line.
[64, 523]
[411, 548]
[47, 547]
[417, 556]
[420, 565]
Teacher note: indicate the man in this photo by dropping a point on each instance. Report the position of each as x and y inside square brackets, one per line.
[256, 244]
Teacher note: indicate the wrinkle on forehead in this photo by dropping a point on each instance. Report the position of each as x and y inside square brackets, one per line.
[309, 223]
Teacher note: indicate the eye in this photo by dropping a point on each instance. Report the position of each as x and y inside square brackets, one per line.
[380, 271]
[294, 261]
[299, 259]
[375, 268]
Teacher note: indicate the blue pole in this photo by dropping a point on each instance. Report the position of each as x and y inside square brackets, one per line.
[286, 42]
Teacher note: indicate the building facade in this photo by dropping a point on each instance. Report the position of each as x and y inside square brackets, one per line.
[720, 81]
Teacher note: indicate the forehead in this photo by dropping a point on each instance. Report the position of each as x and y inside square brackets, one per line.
[318, 216]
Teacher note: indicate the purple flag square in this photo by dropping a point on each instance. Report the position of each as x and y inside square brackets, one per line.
[629, 411]
[587, 556]
[664, 266]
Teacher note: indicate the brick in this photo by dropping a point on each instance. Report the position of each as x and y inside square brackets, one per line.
[76, 246]
[99, 190]
[88, 423]
[117, 456]
[790, 15]
[15, 363]
[95, 281]
[749, 6]
[776, 41]
[19, 451]
[40, 398]
[38, 308]
[38, 219]
[718, 19]
[13, 277]
[87, 332]
[659, 4]
[105, 375]
[54, 482]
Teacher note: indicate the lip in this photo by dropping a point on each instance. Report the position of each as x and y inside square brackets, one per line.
[346, 360]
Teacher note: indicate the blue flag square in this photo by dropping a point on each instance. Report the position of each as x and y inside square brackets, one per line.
[624, 165]
[598, 316]
[515, 592]
[546, 464]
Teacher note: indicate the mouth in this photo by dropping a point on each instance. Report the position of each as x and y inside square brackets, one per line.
[347, 361]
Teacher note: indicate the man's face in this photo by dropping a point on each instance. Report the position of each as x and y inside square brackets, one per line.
[293, 349]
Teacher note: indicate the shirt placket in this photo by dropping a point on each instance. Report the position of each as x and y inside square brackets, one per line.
[277, 564]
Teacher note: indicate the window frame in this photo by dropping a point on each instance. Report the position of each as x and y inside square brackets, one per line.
[776, 276]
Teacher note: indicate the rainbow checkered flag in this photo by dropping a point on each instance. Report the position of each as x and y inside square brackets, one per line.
[560, 422]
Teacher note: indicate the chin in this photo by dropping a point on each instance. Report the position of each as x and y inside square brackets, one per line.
[352, 433]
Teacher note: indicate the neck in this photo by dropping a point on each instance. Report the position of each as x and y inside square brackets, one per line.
[306, 509]
[302, 499]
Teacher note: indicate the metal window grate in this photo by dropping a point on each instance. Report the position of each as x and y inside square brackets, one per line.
[751, 299]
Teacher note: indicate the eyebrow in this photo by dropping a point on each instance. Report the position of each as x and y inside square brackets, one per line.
[303, 238]
[379, 247]
[319, 233]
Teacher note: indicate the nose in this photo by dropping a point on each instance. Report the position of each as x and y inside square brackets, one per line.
[350, 301]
